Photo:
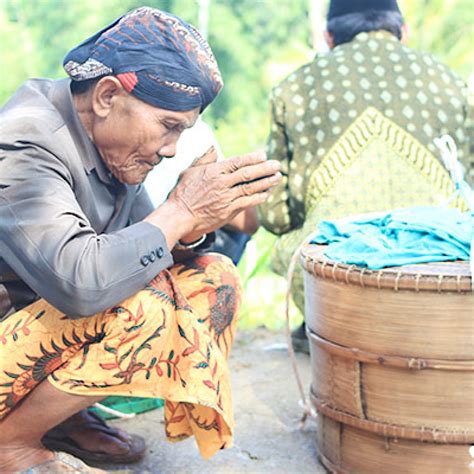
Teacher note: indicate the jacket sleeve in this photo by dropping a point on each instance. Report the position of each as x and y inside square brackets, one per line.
[276, 214]
[48, 241]
[142, 206]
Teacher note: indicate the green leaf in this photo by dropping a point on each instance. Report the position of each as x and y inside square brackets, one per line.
[134, 328]
[11, 375]
[201, 365]
[124, 356]
[16, 325]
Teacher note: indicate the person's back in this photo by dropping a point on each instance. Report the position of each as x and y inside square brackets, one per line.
[355, 128]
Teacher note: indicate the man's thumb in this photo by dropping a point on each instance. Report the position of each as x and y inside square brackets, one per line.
[210, 156]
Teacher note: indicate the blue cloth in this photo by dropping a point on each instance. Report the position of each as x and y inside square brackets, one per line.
[157, 57]
[405, 236]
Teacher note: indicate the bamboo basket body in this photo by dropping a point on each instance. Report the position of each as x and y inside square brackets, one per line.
[415, 324]
[345, 449]
[392, 357]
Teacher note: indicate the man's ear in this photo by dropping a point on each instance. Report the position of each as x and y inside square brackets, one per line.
[105, 94]
[329, 38]
[405, 34]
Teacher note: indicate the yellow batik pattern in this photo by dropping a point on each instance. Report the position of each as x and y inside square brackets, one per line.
[170, 340]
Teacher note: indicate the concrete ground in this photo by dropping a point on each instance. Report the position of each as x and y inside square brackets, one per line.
[267, 435]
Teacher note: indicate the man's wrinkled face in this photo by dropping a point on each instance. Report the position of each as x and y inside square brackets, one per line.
[134, 136]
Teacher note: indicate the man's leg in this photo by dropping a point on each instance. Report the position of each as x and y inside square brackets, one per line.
[21, 431]
[35, 342]
[218, 296]
[87, 436]
[211, 285]
[153, 344]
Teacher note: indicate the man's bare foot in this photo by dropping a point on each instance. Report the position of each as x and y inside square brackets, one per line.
[17, 458]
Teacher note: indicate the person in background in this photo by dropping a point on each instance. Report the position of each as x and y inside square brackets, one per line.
[231, 239]
[101, 293]
[354, 129]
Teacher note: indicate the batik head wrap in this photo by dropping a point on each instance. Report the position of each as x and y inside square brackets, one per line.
[157, 57]
[344, 7]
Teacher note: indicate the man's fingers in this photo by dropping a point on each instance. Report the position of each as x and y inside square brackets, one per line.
[209, 157]
[233, 164]
[245, 202]
[258, 186]
[214, 192]
[254, 172]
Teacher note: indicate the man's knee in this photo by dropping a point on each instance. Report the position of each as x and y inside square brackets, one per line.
[217, 267]
[214, 258]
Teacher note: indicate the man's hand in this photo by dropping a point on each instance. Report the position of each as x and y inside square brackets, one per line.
[210, 194]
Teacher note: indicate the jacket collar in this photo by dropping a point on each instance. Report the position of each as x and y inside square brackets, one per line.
[61, 98]
[378, 34]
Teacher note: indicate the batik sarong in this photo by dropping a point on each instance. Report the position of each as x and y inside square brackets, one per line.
[170, 340]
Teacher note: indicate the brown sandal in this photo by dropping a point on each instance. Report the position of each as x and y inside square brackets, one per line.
[58, 439]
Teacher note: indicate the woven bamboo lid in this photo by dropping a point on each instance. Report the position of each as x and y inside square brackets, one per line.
[436, 276]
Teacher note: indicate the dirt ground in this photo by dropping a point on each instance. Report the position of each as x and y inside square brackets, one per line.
[267, 436]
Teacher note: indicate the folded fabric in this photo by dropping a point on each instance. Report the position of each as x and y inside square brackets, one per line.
[404, 236]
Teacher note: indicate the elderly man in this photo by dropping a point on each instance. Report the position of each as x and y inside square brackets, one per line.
[91, 301]
[354, 130]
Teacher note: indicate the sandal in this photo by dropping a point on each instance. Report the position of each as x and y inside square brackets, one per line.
[58, 439]
[61, 463]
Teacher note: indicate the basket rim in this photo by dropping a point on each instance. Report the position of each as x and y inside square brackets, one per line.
[391, 430]
[401, 362]
[436, 276]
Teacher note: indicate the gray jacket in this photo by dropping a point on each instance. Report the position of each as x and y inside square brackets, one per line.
[69, 231]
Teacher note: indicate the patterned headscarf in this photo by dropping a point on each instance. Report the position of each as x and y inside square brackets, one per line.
[156, 56]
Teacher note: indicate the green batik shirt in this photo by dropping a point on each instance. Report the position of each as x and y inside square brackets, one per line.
[328, 112]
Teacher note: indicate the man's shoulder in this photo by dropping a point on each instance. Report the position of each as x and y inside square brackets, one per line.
[29, 120]
[322, 65]
[299, 75]
[435, 66]
[30, 111]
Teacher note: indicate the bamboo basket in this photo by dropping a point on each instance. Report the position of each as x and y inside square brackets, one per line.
[392, 357]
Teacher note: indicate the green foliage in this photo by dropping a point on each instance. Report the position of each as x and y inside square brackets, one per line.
[444, 28]
[265, 292]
